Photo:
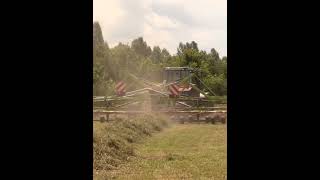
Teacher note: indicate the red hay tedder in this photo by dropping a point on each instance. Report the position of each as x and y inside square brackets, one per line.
[176, 97]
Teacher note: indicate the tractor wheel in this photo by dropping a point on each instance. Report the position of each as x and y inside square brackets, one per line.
[208, 119]
[213, 121]
[223, 120]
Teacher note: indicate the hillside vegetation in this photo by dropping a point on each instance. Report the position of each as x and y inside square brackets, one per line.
[111, 65]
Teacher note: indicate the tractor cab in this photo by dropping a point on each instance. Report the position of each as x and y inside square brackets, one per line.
[172, 74]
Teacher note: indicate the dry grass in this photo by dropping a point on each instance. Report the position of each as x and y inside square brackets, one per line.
[113, 143]
[189, 151]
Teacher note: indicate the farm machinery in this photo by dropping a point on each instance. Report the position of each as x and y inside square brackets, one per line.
[177, 97]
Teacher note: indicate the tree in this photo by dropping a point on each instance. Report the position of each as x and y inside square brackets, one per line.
[141, 47]
[224, 67]
[113, 64]
[165, 53]
[97, 35]
[124, 60]
[214, 54]
[217, 84]
[156, 55]
[188, 46]
[101, 60]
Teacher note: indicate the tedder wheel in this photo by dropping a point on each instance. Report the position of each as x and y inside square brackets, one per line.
[207, 119]
[215, 119]
[223, 120]
[181, 120]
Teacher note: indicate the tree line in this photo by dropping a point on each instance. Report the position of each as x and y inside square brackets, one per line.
[111, 65]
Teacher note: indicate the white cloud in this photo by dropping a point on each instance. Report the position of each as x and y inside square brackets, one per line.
[164, 22]
[160, 22]
[108, 13]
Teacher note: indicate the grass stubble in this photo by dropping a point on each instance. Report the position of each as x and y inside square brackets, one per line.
[124, 149]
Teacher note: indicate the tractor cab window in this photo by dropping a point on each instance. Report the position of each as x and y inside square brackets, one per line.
[184, 74]
[177, 75]
[170, 76]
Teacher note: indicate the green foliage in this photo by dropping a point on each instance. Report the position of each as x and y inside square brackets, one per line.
[97, 35]
[216, 83]
[141, 47]
[156, 55]
[111, 65]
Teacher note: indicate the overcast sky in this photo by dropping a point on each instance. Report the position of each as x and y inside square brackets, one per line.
[164, 22]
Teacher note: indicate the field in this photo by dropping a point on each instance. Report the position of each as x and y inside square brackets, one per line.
[183, 151]
[114, 142]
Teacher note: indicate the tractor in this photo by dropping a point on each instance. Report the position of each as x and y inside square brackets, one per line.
[176, 96]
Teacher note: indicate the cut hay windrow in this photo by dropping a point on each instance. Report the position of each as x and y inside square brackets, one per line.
[113, 143]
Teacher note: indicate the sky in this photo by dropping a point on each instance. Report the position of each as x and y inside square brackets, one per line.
[165, 23]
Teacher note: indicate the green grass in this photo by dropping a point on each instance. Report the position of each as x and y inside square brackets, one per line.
[184, 151]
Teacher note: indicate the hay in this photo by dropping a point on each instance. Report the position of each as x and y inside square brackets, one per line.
[113, 143]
